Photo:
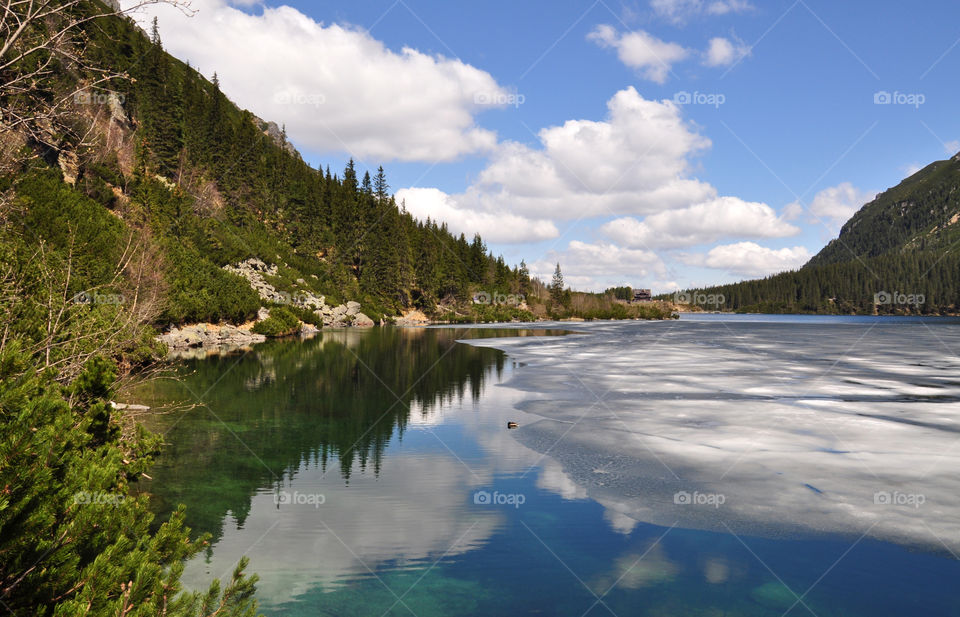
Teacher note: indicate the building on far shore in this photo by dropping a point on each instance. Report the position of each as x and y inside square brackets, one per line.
[642, 295]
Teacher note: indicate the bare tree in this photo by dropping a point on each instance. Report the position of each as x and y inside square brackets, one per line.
[38, 38]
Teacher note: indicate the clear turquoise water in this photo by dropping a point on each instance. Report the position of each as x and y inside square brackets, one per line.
[347, 468]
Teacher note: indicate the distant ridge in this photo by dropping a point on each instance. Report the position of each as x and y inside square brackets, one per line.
[899, 254]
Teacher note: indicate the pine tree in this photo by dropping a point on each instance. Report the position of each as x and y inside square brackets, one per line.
[556, 286]
[380, 186]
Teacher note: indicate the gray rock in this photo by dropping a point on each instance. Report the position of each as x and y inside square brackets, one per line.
[362, 321]
[199, 336]
[116, 108]
[263, 313]
[307, 329]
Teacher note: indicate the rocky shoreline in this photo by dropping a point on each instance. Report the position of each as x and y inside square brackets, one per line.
[344, 315]
[201, 339]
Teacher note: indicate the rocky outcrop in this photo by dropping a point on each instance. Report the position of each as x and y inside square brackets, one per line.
[362, 321]
[209, 337]
[276, 135]
[254, 270]
[69, 165]
[412, 318]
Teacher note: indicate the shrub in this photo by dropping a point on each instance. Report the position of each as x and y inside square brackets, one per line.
[281, 322]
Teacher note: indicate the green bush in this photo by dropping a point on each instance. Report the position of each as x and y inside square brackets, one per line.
[200, 291]
[74, 537]
[281, 322]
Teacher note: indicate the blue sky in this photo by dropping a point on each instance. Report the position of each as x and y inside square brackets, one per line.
[656, 143]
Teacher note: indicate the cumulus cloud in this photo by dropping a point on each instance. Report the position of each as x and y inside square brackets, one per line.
[702, 223]
[648, 55]
[678, 11]
[336, 87]
[724, 52]
[636, 161]
[596, 266]
[502, 227]
[832, 206]
[750, 259]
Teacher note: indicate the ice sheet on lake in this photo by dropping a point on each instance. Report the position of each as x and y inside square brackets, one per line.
[754, 427]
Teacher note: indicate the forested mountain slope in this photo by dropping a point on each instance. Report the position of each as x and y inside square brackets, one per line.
[897, 255]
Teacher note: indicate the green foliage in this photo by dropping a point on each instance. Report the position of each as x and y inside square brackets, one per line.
[71, 224]
[852, 287]
[74, 540]
[621, 293]
[200, 291]
[282, 322]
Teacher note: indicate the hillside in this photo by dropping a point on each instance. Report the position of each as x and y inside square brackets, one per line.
[896, 255]
[920, 213]
[197, 187]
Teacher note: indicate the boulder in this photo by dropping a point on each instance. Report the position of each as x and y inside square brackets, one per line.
[362, 321]
[307, 330]
[202, 336]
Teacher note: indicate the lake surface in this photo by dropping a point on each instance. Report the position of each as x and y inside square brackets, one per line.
[715, 465]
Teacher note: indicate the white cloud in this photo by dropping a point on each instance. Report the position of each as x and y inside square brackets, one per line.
[648, 55]
[724, 52]
[722, 7]
[750, 259]
[634, 162]
[595, 267]
[336, 87]
[910, 169]
[499, 227]
[678, 11]
[702, 223]
[952, 147]
[832, 206]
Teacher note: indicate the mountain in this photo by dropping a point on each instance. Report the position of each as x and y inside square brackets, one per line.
[897, 255]
[920, 213]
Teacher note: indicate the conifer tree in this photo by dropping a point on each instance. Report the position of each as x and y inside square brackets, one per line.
[556, 286]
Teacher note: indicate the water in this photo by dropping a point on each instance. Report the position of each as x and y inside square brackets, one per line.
[372, 473]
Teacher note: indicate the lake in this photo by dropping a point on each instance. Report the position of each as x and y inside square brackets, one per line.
[715, 465]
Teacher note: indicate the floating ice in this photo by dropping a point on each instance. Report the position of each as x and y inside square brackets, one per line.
[849, 428]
